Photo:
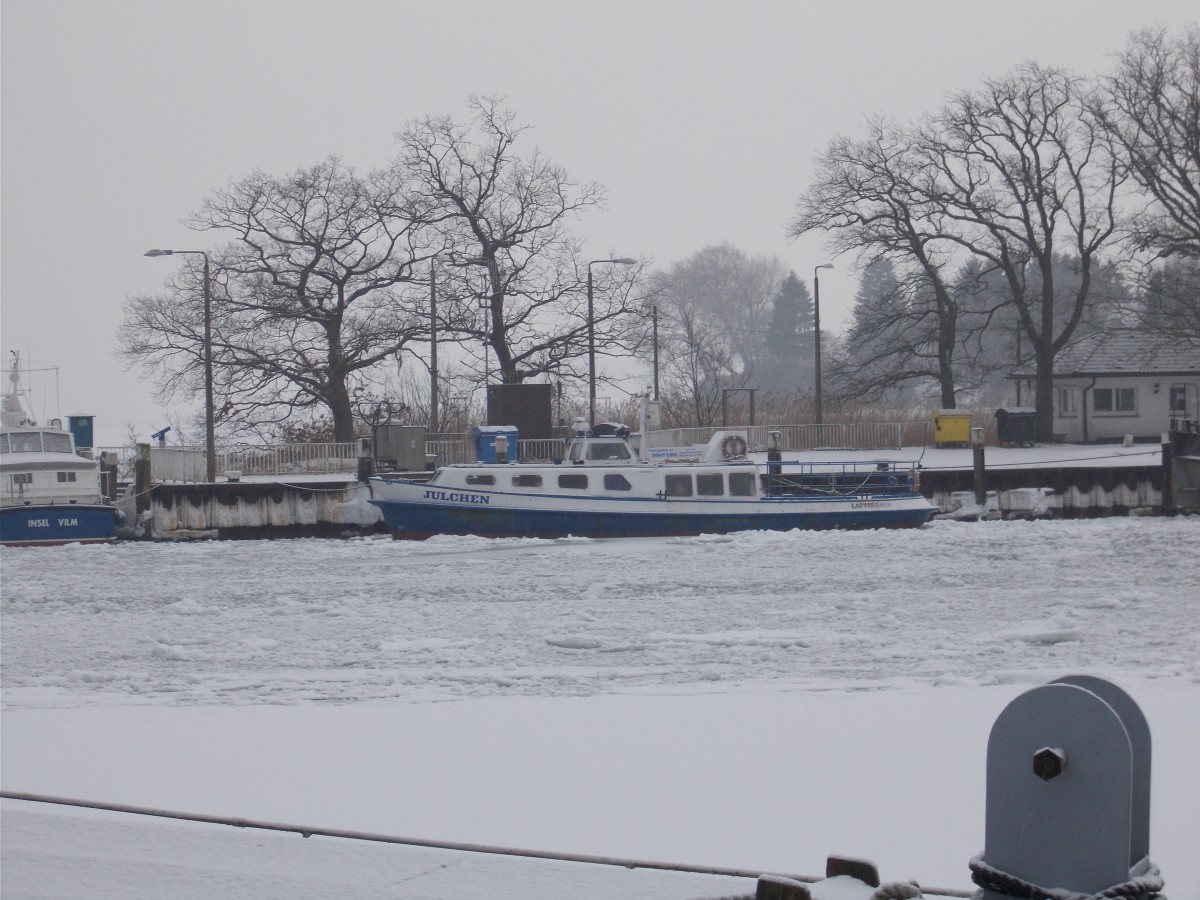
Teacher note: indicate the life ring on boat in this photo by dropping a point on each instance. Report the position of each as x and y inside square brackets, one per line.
[733, 445]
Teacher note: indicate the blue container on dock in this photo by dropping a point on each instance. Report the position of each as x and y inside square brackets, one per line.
[485, 442]
[81, 430]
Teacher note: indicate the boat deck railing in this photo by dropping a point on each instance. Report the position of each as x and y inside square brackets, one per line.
[791, 479]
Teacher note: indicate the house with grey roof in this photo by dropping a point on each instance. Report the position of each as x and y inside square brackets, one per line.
[1117, 383]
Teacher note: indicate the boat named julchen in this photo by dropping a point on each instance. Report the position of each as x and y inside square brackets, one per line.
[49, 494]
[602, 488]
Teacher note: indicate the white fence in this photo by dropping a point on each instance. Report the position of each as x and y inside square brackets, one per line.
[859, 436]
[187, 463]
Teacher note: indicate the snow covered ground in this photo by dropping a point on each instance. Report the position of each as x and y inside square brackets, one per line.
[754, 701]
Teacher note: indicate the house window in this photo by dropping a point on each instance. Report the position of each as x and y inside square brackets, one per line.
[616, 482]
[1114, 400]
[1183, 401]
[66, 476]
[527, 481]
[574, 481]
[711, 485]
[741, 484]
[1068, 401]
[679, 486]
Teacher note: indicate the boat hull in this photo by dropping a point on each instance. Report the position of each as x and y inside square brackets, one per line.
[417, 519]
[57, 523]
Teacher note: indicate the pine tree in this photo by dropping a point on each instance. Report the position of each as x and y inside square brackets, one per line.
[789, 336]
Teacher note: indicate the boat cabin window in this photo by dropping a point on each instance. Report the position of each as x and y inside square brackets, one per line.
[710, 485]
[21, 478]
[66, 476]
[608, 450]
[26, 441]
[3, 443]
[615, 481]
[527, 481]
[481, 479]
[56, 443]
[679, 486]
[574, 481]
[741, 484]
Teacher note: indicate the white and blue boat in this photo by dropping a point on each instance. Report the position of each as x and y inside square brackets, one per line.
[49, 494]
[602, 488]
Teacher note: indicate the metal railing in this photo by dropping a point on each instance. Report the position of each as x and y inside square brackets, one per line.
[856, 436]
[448, 448]
[187, 463]
[541, 450]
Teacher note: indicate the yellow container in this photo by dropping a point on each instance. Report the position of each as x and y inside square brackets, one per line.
[951, 426]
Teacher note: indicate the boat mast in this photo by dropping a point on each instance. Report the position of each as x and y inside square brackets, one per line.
[12, 413]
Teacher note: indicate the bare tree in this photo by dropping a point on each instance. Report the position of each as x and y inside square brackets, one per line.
[1169, 302]
[1151, 107]
[1024, 172]
[698, 362]
[878, 200]
[306, 299]
[896, 339]
[517, 277]
[714, 313]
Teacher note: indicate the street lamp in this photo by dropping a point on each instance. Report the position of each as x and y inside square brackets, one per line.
[210, 440]
[591, 323]
[817, 332]
[654, 319]
[433, 362]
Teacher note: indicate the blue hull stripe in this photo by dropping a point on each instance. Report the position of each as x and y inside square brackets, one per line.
[422, 520]
[63, 523]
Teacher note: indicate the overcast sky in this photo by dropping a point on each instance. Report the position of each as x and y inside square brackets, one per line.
[700, 118]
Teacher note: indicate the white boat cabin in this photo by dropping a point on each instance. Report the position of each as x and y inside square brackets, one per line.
[39, 465]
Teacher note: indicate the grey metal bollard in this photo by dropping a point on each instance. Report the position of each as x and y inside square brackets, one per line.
[1068, 793]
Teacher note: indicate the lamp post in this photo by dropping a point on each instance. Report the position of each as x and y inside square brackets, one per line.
[817, 333]
[433, 372]
[654, 318]
[210, 440]
[591, 326]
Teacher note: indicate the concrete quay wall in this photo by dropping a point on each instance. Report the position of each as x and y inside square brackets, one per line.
[331, 507]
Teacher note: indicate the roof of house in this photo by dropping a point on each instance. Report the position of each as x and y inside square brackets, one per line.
[1124, 352]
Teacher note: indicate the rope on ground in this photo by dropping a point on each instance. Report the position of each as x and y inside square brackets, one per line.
[1047, 463]
[309, 831]
[1141, 887]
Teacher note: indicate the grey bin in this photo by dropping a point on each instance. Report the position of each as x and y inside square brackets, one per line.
[1016, 427]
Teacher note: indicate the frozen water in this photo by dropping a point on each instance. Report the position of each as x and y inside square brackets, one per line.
[751, 700]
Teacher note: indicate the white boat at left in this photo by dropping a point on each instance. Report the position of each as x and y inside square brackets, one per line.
[49, 494]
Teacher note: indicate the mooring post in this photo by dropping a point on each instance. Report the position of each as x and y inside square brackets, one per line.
[141, 478]
[977, 453]
[1168, 473]
[1068, 794]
